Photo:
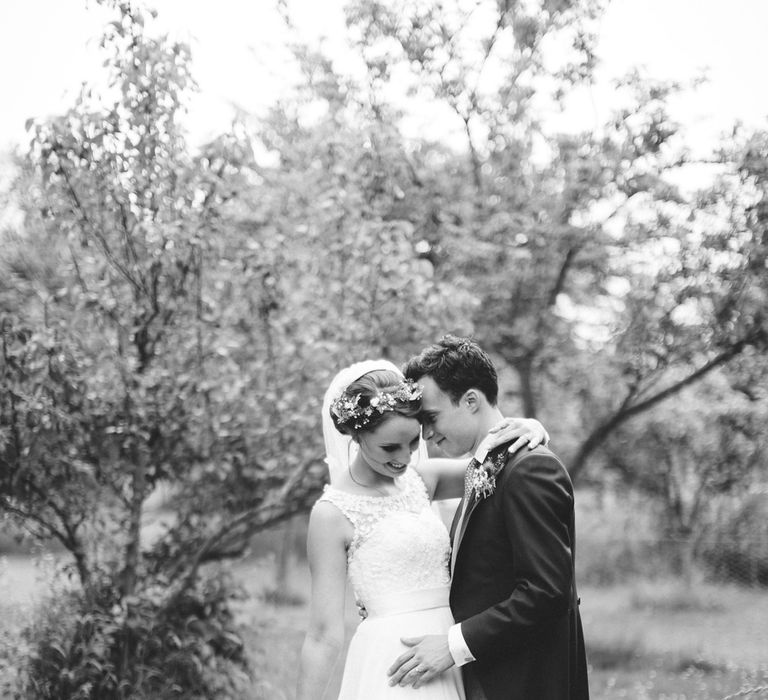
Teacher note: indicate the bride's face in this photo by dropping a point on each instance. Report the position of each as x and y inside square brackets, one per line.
[388, 448]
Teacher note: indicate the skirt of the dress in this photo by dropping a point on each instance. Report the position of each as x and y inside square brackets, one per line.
[375, 646]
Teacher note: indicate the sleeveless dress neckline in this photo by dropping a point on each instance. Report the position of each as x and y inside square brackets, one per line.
[382, 497]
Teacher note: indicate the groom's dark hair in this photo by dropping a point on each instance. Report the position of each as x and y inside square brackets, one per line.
[456, 365]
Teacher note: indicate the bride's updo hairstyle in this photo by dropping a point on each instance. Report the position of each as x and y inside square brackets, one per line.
[368, 401]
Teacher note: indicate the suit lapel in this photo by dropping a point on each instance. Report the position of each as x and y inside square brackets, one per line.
[459, 525]
[457, 532]
[456, 518]
[463, 523]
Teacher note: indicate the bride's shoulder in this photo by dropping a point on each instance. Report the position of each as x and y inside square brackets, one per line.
[328, 517]
[331, 500]
[343, 503]
[338, 495]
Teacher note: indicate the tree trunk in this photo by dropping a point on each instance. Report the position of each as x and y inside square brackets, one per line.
[81, 563]
[687, 548]
[525, 374]
[285, 550]
[593, 441]
[133, 547]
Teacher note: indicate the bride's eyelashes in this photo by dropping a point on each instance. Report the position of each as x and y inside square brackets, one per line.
[394, 448]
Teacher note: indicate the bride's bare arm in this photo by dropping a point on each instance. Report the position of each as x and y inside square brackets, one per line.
[445, 477]
[326, 550]
[520, 432]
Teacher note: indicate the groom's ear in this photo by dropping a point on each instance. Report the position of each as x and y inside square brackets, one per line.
[471, 400]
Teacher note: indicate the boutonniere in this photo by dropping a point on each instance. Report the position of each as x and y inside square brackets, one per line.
[481, 482]
[482, 478]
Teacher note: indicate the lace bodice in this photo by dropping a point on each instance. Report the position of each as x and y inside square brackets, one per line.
[399, 543]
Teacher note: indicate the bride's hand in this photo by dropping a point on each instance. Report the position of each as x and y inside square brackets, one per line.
[520, 431]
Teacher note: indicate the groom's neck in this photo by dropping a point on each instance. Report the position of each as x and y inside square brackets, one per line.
[489, 416]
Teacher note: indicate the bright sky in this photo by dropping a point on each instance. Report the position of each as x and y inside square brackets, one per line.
[48, 47]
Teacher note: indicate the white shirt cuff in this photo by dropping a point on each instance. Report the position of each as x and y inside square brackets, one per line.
[458, 647]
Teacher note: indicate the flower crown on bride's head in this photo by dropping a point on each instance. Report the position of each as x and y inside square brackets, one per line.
[351, 412]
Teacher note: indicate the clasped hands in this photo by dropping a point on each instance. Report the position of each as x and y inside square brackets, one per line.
[426, 658]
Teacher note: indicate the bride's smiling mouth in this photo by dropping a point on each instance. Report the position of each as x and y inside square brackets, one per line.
[397, 466]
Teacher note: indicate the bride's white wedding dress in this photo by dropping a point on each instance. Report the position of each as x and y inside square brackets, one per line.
[398, 567]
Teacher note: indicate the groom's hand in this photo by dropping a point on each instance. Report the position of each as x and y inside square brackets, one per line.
[426, 658]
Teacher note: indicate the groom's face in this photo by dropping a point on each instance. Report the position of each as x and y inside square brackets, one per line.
[450, 426]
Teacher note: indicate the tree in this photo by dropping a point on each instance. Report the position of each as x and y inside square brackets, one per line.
[322, 271]
[103, 385]
[704, 307]
[570, 244]
[174, 318]
[688, 460]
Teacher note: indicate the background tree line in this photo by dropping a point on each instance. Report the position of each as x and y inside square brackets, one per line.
[172, 315]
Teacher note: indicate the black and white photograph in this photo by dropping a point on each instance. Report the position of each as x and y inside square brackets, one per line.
[383, 350]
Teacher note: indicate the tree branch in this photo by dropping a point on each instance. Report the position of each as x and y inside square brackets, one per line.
[98, 236]
[600, 434]
[272, 510]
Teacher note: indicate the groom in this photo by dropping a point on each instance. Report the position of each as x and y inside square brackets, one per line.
[518, 634]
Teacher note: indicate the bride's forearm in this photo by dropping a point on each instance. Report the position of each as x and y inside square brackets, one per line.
[318, 658]
[445, 477]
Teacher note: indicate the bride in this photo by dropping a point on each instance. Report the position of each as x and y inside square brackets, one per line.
[374, 524]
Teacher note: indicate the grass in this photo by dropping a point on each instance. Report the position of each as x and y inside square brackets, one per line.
[674, 596]
[273, 627]
[669, 640]
[647, 640]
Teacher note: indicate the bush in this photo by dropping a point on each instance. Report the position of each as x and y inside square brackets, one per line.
[675, 596]
[738, 548]
[154, 645]
[617, 539]
[622, 652]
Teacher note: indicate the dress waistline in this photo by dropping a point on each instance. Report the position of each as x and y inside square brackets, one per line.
[407, 601]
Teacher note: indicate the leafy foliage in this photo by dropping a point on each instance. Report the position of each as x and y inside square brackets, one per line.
[689, 459]
[170, 317]
[107, 646]
[738, 551]
[171, 320]
[575, 247]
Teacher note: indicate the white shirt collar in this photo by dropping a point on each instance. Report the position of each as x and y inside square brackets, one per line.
[482, 449]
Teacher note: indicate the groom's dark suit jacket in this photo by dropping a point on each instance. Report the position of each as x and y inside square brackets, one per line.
[513, 586]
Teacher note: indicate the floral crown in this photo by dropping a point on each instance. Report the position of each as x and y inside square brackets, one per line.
[348, 411]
